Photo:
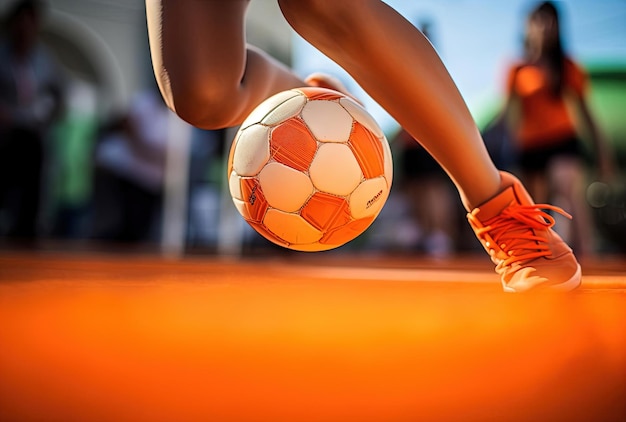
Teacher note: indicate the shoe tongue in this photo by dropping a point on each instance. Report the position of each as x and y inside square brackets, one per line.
[495, 205]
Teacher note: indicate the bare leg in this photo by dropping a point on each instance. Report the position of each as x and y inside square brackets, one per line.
[567, 177]
[211, 78]
[206, 72]
[399, 68]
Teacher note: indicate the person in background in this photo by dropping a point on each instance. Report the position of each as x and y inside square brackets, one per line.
[31, 99]
[130, 171]
[429, 196]
[547, 114]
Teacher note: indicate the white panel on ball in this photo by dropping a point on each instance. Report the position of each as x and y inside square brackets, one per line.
[284, 187]
[268, 105]
[335, 169]
[388, 162]
[362, 116]
[327, 120]
[368, 199]
[250, 158]
[240, 205]
[234, 185]
[287, 109]
[290, 227]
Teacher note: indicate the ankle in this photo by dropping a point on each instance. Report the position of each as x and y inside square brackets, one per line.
[487, 193]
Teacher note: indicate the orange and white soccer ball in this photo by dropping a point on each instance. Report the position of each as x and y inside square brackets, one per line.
[310, 169]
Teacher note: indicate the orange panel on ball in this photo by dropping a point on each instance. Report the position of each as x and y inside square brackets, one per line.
[292, 144]
[315, 93]
[346, 233]
[326, 211]
[256, 204]
[262, 230]
[368, 150]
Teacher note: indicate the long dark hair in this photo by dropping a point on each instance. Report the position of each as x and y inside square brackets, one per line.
[554, 53]
[34, 7]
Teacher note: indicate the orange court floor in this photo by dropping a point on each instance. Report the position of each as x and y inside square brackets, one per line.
[303, 337]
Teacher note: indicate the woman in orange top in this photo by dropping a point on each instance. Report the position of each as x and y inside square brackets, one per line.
[546, 110]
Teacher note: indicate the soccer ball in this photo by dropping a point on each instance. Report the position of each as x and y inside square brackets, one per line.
[310, 169]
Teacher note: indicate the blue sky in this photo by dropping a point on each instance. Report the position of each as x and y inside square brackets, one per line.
[477, 38]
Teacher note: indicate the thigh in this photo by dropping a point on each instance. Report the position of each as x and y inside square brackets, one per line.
[196, 43]
[206, 71]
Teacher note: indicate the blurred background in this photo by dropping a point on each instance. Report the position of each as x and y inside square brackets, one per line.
[117, 171]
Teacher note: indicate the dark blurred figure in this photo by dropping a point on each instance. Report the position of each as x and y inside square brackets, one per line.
[30, 100]
[69, 175]
[430, 198]
[547, 114]
[130, 170]
[206, 178]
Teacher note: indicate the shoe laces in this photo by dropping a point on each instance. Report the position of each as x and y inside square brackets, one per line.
[516, 231]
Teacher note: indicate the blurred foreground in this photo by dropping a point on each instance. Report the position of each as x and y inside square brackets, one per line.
[106, 338]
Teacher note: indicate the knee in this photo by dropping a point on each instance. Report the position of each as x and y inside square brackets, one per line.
[204, 106]
[211, 110]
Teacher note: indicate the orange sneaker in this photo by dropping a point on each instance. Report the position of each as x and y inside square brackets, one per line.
[518, 236]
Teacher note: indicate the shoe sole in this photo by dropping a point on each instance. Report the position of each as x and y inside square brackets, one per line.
[567, 286]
